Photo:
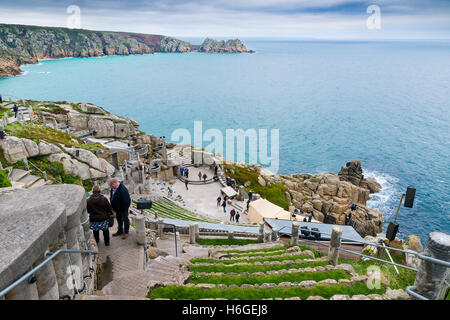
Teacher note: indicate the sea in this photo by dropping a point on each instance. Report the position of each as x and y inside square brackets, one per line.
[386, 103]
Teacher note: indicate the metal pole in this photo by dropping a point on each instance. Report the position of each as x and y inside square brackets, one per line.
[396, 213]
[176, 245]
[39, 266]
[398, 208]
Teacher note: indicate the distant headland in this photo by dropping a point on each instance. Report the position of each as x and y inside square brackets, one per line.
[20, 44]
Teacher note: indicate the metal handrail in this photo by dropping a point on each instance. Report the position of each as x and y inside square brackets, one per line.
[39, 266]
[421, 255]
[43, 172]
[411, 291]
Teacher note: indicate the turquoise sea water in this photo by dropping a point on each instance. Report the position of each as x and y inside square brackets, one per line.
[385, 103]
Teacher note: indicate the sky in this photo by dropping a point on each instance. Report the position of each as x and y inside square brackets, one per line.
[293, 19]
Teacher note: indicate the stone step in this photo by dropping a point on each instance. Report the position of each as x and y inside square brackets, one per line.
[29, 180]
[163, 267]
[39, 183]
[18, 174]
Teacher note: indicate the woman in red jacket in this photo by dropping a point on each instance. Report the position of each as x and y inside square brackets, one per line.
[100, 211]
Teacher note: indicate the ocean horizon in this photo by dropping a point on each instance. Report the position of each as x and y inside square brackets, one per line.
[385, 103]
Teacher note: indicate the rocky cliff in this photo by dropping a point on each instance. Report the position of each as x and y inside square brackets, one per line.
[329, 196]
[21, 44]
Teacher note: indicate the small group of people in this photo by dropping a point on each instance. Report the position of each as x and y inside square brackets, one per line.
[223, 203]
[234, 216]
[200, 176]
[101, 211]
[185, 172]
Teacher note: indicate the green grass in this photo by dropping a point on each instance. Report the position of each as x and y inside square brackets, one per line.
[263, 259]
[224, 241]
[253, 268]
[274, 193]
[267, 252]
[36, 133]
[4, 110]
[256, 250]
[194, 293]
[4, 182]
[50, 107]
[167, 209]
[397, 281]
[270, 278]
[55, 170]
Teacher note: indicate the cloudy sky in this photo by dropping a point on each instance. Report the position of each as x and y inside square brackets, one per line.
[298, 19]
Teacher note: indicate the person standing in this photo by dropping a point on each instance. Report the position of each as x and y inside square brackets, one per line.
[215, 170]
[232, 214]
[15, 110]
[200, 175]
[250, 195]
[186, 184]
[182, 171]
[186, 173]
[120, 202]
[237, 217]
[219, 201]
[204, 177]
[224, 205]
[99, 210]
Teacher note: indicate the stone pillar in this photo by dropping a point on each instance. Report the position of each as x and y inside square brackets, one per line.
[430, 276]
[241, 193]
[294, 233]
[230, 235]
[61, 266]
[46, 283]
[335, 243]
[275, 235]
[23, 291]
[192, 235]
[197, 232]
[161, 231]
[140, 230]
[261, 233]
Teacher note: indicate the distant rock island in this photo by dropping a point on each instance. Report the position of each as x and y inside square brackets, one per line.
[20, 44]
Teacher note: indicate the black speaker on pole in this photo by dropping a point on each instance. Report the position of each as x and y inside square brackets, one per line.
[410, 194]
[391, 231]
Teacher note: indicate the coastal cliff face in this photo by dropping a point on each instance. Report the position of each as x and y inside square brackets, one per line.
[26, 44]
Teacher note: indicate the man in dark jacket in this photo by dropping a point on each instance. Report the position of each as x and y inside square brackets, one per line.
[120, 202]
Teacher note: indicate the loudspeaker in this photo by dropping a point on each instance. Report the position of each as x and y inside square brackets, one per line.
[391, 231]
[315, 233]
[144, 204]
[305, 231]
[410, 194]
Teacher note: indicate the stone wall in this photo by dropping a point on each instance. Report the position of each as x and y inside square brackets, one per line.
[35, 221]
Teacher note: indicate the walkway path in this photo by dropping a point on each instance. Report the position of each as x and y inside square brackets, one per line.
[204, 197]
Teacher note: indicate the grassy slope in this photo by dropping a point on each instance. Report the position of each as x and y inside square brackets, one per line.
[194, 293]
[36, 133]
[275, 193]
